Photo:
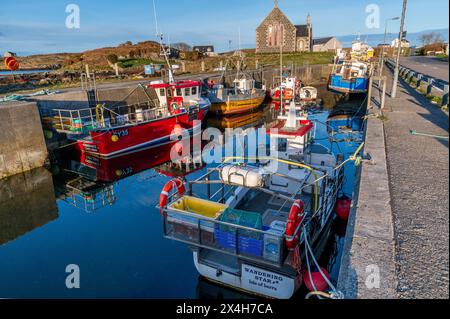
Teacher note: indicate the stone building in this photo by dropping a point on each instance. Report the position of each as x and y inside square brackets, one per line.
[329, 44]
[277, 29]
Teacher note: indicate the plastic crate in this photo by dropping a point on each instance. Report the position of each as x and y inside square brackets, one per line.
[246, 245]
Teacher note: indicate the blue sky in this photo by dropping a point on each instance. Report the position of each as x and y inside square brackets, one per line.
[29, 26]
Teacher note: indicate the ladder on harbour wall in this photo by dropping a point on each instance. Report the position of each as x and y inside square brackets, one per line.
[89, 85]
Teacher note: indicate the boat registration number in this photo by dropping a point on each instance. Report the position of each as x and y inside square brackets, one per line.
[121, 133]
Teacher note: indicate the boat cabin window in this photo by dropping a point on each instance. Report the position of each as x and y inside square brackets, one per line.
[179, 92]
[282, 145]
[194, 90]
[187, 91]
[162, 92]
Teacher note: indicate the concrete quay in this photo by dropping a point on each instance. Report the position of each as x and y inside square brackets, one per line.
[398, 228]
[22, 144]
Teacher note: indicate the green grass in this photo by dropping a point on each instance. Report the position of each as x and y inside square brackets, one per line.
[442, 57]
[130, 63]
[434, 99]
[304, 58]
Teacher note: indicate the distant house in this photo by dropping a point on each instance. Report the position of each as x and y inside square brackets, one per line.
[405, 43]
[405, 47]
[205, 49]
[326, 44]
[9, 54]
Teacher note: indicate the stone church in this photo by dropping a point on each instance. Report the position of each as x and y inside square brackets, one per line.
[277, 28]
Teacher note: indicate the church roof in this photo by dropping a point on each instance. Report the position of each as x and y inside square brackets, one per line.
[302, 30]
[322, 40]
[277, 14]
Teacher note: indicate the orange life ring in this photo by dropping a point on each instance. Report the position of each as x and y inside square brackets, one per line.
[293, 225]
[11, 63]
[175, 183]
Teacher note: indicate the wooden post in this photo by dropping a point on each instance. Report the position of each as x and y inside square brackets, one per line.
[410, 76]
[445, 96]
[87, 71]
[430, 86]
[203, 66]
[419, 80]
[116, 69]
[369, 93]
[183, 67]
[256, 64]
[383, 96]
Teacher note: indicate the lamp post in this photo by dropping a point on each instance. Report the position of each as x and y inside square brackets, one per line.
[384, 43]
[399, 49]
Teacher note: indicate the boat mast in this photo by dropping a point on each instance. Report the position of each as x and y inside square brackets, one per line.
[281, 62]
[164, 52]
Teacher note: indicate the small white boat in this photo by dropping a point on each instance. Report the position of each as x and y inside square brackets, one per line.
[308, 95]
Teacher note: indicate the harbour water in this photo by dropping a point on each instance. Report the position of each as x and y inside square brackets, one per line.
[116, 236]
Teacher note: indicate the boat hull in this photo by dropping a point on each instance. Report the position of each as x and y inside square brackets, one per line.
[130, 138]
[237, 106]
[253, 280]
[340, 85]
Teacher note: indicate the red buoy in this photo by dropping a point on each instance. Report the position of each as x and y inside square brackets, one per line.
[11, 63]
[343, 206]
[317, 278]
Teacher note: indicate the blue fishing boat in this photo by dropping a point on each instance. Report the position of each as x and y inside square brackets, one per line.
[349, 77]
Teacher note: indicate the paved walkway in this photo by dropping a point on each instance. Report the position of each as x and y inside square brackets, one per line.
[418, 169]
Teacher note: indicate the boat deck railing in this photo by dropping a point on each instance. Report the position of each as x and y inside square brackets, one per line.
[82, 121]
[236, 240]
[236, 93]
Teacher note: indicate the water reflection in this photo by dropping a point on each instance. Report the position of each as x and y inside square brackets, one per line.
[27, 202]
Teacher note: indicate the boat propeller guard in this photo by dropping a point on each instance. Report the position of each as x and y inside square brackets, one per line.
[293, 225]
[177, 183]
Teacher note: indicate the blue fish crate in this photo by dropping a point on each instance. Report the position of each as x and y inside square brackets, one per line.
[246, 245]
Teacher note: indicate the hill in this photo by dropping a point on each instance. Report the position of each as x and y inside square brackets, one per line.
[97, 58]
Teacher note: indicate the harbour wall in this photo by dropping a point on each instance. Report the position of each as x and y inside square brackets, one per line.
[22, 144]
[368, 262]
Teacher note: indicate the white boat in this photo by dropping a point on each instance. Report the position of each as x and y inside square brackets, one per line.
[259, 228]
[308, 95]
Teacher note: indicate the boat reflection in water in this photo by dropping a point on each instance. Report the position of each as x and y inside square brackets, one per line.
[89, 182]
[256, 118]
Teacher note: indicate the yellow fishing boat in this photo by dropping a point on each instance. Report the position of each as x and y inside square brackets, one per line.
[242, 98]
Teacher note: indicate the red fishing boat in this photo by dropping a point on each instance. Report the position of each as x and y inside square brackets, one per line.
[170, 108]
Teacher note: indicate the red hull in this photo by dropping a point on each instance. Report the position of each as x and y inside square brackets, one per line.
[131, 138]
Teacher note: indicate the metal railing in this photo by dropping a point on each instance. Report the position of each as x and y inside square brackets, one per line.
[82, 121]
[418, 79]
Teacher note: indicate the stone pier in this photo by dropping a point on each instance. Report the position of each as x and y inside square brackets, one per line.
[22, 145]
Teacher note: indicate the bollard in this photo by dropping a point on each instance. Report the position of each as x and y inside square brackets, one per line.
[410, 76]
[419, 80]
[429, 86]
[405, 73]
[445, 96]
